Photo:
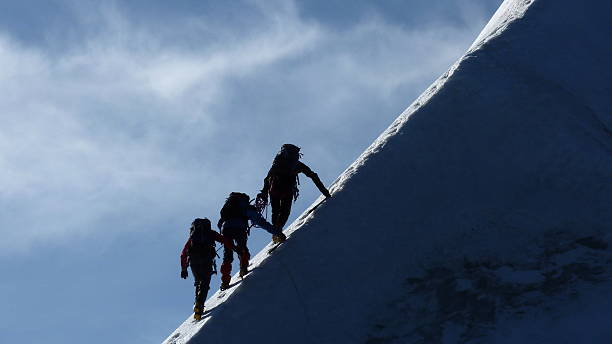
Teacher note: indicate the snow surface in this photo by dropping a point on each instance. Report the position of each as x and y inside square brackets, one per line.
[481, 215]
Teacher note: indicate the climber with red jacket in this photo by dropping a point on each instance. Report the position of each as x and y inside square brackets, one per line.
[199, 253]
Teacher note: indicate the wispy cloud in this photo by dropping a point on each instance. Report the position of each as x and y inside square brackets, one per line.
[129, 119]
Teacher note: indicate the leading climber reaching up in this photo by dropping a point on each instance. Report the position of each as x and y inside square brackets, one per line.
[282, 181]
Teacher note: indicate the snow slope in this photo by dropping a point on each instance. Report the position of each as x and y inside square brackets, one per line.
[482, 214]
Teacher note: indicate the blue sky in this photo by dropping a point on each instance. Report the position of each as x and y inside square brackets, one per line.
[120, 122]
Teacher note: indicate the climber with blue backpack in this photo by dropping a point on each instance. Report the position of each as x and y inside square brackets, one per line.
[234, 224]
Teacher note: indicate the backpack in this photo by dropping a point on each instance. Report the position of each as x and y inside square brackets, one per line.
[202, 242]
[235, 206]
[283, 173]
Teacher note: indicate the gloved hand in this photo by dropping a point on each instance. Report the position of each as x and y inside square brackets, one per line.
[263, 196]
[327, 194]
[261, 201]
[184, 274]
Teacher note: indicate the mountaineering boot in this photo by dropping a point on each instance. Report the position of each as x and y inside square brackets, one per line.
[226, 277]
[198, 305]
[279, 238]
[198, 310]
[243, 271]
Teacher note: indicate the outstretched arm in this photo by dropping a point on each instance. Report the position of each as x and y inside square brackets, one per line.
[315, 178]
[259, 221]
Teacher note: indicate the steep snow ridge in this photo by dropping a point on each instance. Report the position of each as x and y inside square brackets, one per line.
[491, 187]
[508, 12]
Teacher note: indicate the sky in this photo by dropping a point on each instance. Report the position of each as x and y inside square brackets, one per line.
[122, 121]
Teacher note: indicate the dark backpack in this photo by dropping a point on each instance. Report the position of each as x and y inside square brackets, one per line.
[235, 206]
[202, 242]
[283, 173]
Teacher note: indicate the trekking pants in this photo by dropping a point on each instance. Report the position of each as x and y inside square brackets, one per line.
[202, 274]
[239, 237]
[281, 208]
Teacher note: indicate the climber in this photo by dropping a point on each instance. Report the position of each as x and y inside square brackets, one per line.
[281, 184]
[199, 253]
[234, 224]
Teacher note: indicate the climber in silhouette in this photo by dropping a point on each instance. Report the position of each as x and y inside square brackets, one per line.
[199, 252]
[281, 184]
[234, 224]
